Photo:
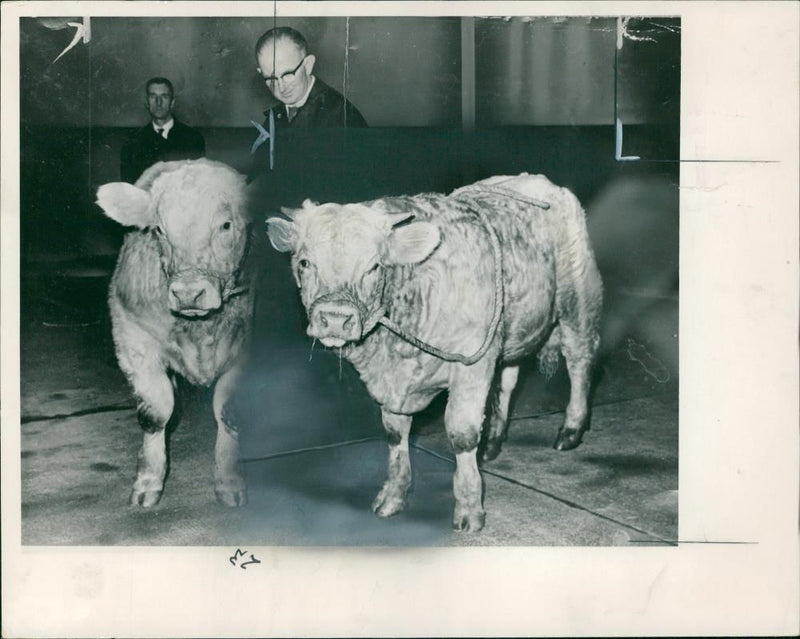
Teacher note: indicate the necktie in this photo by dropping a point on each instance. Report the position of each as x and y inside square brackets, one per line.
[291, 112]
[161, 133]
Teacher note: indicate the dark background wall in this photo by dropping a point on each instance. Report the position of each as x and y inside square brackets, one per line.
[545, 71]
[546, 91]
[401, 71]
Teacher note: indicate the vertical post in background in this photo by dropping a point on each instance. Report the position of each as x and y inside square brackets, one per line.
[468, 168]
[621, 27]
[468, 74]
[647, 74]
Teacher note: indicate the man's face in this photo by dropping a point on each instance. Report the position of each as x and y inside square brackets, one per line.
[159, 101]
[286, 71]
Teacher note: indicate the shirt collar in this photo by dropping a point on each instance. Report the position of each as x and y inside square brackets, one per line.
[304, 99]
[165, 128]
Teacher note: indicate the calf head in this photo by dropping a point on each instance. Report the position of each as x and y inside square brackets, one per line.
[341, 257]
[195, 211]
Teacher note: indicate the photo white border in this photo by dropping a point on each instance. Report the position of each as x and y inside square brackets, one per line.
[738, 405]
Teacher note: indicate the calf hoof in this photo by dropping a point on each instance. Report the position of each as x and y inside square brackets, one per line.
[388, 502]
[568, 439]
[469, 521]
[145, 498]
[232, 498]
[231, 491]
[491, 451]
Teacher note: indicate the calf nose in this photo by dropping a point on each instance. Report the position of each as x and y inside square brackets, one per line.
[186, 295]
[193, 296]
[336, 322]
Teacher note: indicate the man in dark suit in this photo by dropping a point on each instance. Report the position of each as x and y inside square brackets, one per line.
[305, 101]
[163, 139]
[287, 68]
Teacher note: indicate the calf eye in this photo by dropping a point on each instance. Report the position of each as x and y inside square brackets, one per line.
[304, 263]
[370, 278]
[226, 226]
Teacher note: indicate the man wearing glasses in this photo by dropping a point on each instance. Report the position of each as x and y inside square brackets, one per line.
[309, 120]
[286, 66]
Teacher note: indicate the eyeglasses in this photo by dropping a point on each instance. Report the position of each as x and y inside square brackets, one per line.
[286, 77]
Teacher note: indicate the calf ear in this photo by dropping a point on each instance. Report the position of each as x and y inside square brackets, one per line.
[290, 213]
[399, 218]
[125, 203]
[412, 243]
[282, 234]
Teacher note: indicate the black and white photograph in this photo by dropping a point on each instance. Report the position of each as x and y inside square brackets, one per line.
[413, 301]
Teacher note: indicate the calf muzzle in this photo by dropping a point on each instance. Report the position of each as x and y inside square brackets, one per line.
[194, 296]
[335, 323]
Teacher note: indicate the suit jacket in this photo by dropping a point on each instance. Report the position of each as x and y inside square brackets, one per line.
[324, 108]
[309, 140]
[146, 147]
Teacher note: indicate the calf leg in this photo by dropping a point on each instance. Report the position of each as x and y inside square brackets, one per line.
[579, 350]
[392, 497]
[138, 355]
[498, 418]
[463, 419]
[229, 484]
[156, 403]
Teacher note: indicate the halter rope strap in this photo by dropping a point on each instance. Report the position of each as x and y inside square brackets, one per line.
[478, 189]
[468, 196]
[231, 287]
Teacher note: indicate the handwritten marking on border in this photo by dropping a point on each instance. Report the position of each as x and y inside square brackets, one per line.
[242, 554]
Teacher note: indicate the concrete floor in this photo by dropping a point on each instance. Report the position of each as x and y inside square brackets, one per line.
[313, 449]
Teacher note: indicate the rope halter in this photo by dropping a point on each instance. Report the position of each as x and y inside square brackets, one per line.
[469, 196]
